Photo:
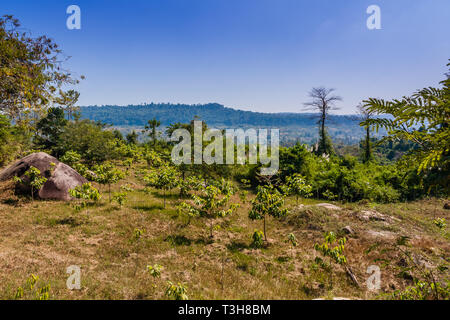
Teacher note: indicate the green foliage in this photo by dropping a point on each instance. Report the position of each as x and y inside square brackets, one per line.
[120, 198]
[152, 127]
[137, 234]
[107, 174]
[243, 196]
[153, 159]
[211, 203]
[8, 145]
[34, 180]
[191, 183]
[329, 195]
[126, 188]
[441, 223]
[32, 290]
[90, 140]
[31, 75]
[423, 119]
[423, 290]
[176, 291]
[297, 186]
[165, 178]
[49, 130]
[73, 159]
[426, 285]
[257, 239]
[155, 270]
[292, 239]
[132, 138]
[268, 202]
[332, 249]
[336, 253]
[86, 193]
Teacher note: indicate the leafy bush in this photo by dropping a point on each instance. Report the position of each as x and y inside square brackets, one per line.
[268, 202]
[257, 239]
[176, 291]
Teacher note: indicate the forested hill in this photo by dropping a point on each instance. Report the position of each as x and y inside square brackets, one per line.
[213, 114]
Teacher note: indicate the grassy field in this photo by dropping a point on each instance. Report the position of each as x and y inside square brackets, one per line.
[44, 238]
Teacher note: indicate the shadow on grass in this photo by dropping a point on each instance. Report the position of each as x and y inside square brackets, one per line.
[282, 259]
[178, 240]
[11, 202]
[181, 240]
[70, 221]
[149, 208]
[237, 246]
[169, 196]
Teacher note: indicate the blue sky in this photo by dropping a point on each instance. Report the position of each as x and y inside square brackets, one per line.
[260, 55]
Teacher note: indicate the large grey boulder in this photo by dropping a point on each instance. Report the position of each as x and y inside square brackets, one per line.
[60, 179]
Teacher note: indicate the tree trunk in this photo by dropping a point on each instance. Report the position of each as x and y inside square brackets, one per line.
[265, 236]
[323, 142]
[367, 151]
[211, 230]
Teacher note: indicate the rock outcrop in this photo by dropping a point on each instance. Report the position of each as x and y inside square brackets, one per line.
[60, 177]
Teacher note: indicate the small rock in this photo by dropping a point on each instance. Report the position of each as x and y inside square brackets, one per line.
[329, 206]
[447, 206]
[372, 215]
[348, 230]
[381, 234]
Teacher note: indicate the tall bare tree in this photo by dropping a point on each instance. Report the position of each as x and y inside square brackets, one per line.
[323, 101]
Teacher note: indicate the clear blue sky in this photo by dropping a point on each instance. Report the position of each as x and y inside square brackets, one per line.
[260, 55]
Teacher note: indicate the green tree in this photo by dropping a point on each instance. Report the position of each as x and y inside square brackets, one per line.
[211, 203]
[68, 100]
[49, 130]
[165, 178]
[107, 174]
[85, 193]
[152, 127]
[423, 119]
[6, 138]
[34, 179]
[132, 138]
[90, 140]
[268, 202]
[297, 186]
[333, 249]
[176, 291]
[30, 73]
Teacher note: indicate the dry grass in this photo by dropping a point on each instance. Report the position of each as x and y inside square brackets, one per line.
[45, 237]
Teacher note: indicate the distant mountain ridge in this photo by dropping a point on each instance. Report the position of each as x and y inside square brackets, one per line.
[293, 127]
[213, 114]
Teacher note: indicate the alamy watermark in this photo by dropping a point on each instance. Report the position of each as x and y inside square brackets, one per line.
[374, 281]
[258, 150]
[374, 20]
[73, 22]
[74, 280]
